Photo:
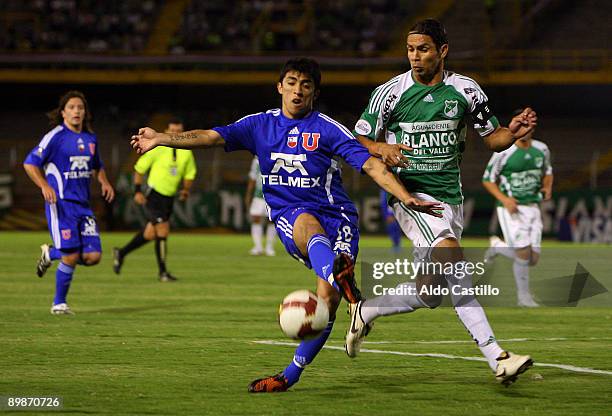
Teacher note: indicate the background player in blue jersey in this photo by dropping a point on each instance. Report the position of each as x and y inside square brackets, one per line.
[315, 219]
[62, 166]
[391, 225]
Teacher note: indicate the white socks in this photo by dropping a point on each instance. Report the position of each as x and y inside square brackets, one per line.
[257, 234]
[392, 304]
[270, 234]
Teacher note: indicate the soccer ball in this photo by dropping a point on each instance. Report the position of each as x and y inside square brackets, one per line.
[303, 315]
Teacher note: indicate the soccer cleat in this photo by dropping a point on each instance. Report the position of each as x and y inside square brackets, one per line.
[489, 255]
[167, 277]
[357, 331]
[273, 384]
[61, 309]
[270, 252]
[527, 301]
[344, 276]
[117, 260]
[255, 252]
[44, 262]
[510, 366]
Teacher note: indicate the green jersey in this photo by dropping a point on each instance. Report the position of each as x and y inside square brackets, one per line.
[255, 175]
[519, 171]
[431, 120]
[166, 167]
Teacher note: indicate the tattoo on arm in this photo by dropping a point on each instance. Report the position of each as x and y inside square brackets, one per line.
[179, 137]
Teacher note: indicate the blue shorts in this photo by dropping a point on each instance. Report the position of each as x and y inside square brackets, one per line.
[341, 229]
[73, 227]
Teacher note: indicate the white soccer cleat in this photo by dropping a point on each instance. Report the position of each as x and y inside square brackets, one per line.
[255, 252]
[510, 366]
[270, 252]
[489, 255]
[61, 309]
[527, 301]
[44, 262]
[357, 331]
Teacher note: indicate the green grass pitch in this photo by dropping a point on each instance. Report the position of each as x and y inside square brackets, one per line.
[137, 346]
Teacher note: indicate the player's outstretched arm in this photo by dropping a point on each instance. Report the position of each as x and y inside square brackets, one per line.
[389, 182]
[147, 139]
[520, 125]
[390, 154]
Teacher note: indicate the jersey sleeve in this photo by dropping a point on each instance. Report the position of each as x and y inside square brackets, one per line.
[479, 108]
[239, 135]
[493, 169]
[254, 169]
[144, 162]
[190, 168]
[43, 152]
[345, 145]
[375, 116]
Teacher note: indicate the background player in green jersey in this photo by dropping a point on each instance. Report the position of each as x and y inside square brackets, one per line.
[519, 178]
[167, 168]
[258, 212]
[421, 114]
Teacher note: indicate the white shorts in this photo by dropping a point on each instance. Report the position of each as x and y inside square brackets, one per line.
[523, 228]
[258, 208]
[426, 231]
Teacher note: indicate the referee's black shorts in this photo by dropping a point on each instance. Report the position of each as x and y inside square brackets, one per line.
[158, 207]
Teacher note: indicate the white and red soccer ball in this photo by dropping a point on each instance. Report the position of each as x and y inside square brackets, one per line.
[303, 315]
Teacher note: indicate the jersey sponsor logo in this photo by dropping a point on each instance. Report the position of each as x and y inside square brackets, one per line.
[90, 228]
[363, 127]
[451, 108]
[66, 234]
[386, 110]
[427, 126]
[79, 167]
[306, 144]
[289, 163]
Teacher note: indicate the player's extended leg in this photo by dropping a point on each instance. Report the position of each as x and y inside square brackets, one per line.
[141, 238]
[63, 278]
[256, 235]
[507, 366]
[313, 243]
[162, 230]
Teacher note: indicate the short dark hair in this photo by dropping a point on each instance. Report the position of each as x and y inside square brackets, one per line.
[304, 66]
[55, 115]
[432, 28]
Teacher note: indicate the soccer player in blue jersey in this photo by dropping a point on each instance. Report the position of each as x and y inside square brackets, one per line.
[315, 219]
[62, 166]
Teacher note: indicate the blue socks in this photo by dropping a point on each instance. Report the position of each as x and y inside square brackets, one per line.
[321, 257]
[63, 277]
[55, 253]
[304, 354]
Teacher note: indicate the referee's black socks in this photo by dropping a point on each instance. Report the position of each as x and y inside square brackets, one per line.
[136, 242]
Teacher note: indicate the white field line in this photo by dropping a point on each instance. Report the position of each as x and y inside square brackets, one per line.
[448, 356]
[452, 341]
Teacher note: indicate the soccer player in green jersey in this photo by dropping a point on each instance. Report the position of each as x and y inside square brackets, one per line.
[167, 168]
[258, 211]
[519, 178]
[421, 114]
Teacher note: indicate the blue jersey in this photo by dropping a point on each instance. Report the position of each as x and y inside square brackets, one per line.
[67, 159]
[297, 158]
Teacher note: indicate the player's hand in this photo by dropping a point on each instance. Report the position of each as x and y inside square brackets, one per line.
[546, 193]
[391, 154]
[183, 195]
[139, 198]
[48, 194]
[145, 140]
[108, 193]
[511, 205]
[433, 208]
[524, 123]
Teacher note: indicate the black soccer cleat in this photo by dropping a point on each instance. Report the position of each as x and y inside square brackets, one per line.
[167, 277]
[117, 260]
[273, 384]
[344, 276]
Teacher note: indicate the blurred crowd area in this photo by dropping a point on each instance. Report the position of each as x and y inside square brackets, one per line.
[76, 25]
[339, 27]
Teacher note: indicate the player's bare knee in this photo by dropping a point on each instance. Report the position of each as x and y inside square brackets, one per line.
[91, 259]
[534, 258]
